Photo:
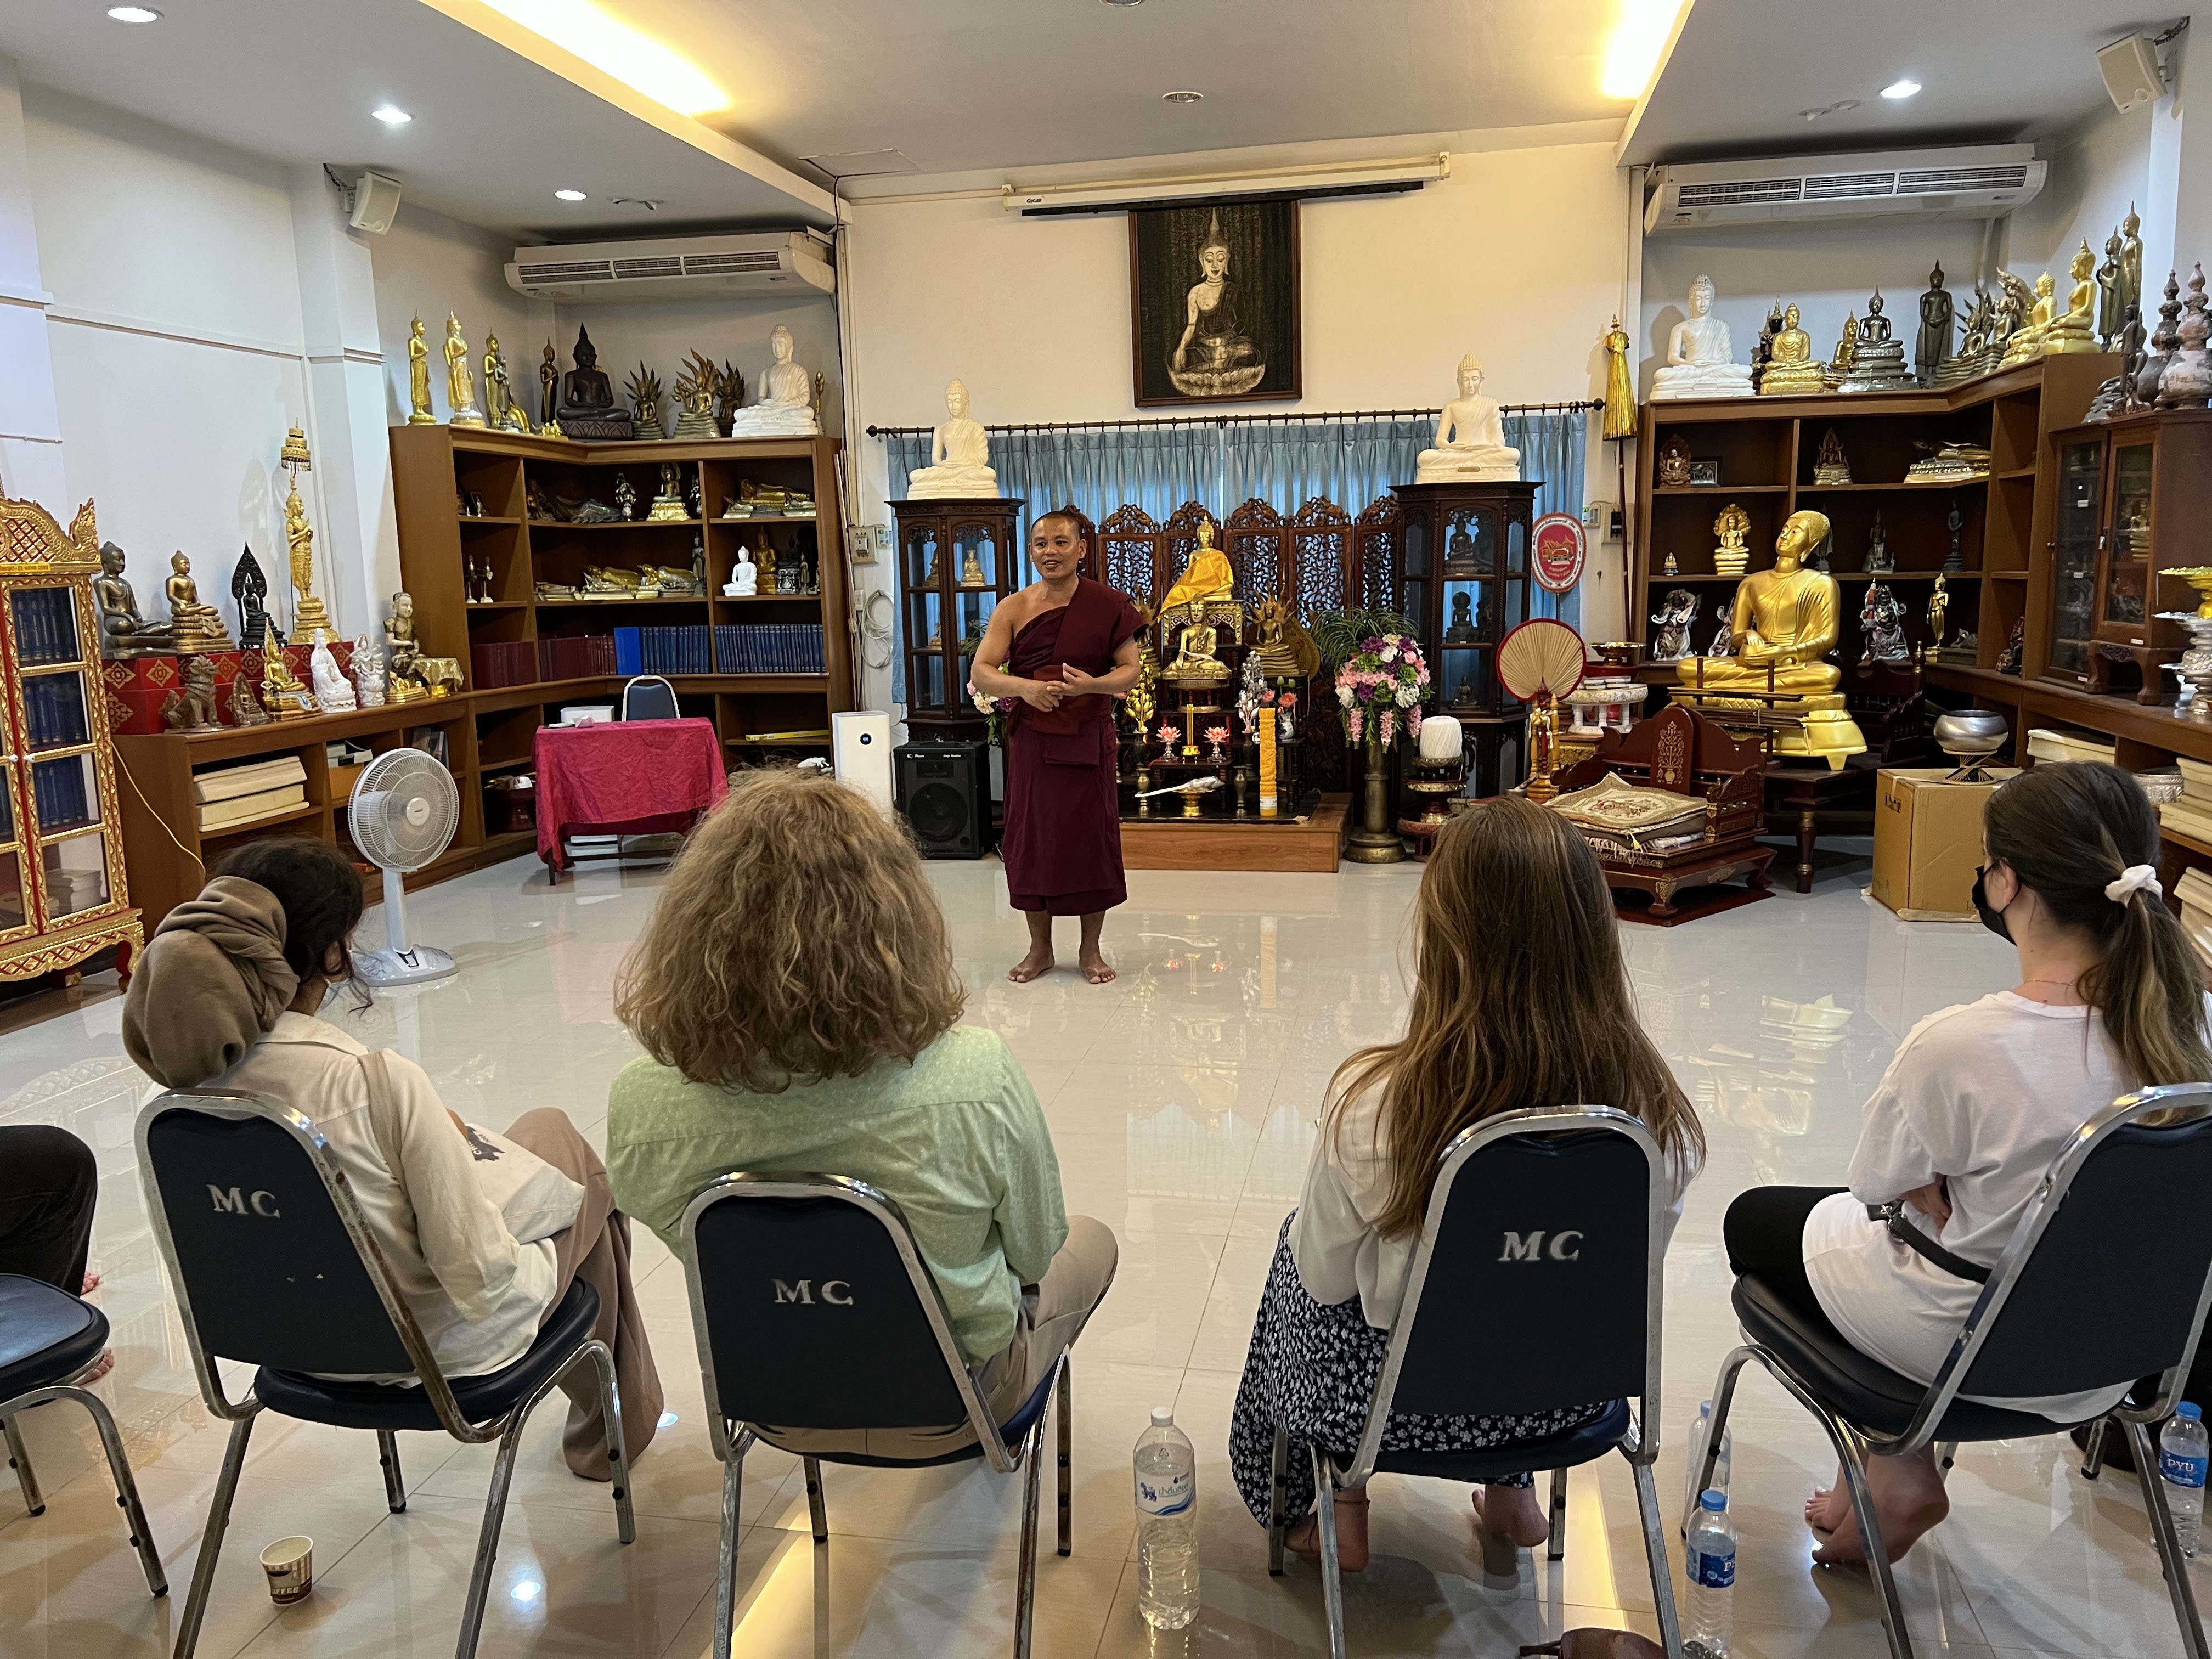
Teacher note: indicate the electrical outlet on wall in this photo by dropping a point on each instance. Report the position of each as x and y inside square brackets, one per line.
[1601, 519]
[860, 542]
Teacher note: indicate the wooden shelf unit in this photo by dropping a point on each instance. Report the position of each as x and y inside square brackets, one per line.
[1767, 447]
[431, 465]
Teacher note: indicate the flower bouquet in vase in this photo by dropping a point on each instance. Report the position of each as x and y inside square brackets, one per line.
[1381, 683]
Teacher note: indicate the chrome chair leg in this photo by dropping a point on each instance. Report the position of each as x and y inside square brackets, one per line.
[19, 1459]
[226, 1488]
[726, 1576]
[395, 1485]
[1331, 1576]
[1025, 1586]
[1276, 1525]
[502, 1474]
[126, 1485]
[1655, 1556]
[1066, 1455]
[603, 1360]
[2170, 1561]
[1558, 1551]
[1853, 1450]
[2093, 1460]
[818, 1507]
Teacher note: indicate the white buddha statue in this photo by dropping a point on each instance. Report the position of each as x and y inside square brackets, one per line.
[960, 455]
[331, 690]
[786, 409]
[1470, 437]
[744, 577]
[1700, 363]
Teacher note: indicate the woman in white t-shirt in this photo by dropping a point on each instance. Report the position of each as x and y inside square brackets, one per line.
[1980, 1100]
[1520, 1000]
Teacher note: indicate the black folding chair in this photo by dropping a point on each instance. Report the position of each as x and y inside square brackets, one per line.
[274, 1265]
[1532, 1212]
[813, 1309]
[2101, 1285]
[48, 1340]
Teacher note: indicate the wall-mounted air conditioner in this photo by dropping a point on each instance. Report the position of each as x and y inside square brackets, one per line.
[1977, 181]
[794, 262]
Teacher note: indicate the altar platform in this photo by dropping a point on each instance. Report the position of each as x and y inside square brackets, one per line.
[1180, 843]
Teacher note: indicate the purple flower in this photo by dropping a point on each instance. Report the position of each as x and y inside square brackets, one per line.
[1366, 694]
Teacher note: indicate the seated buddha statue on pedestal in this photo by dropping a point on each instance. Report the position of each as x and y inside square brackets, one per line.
[2075, 329]
[1470, 446]
[1209, 574]
[587, 407]
[2027, 342]
[1195, 663]
[1700, 361]
[960, 457]
[1785, 620]
[1792, 372]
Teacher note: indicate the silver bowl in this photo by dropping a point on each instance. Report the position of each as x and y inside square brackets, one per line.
[1971, 734]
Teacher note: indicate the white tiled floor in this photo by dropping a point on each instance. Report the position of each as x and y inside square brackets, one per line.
[1181, 1098]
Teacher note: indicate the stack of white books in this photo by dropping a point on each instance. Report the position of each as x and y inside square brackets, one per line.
[2194, 891]
[2047, 744]
[2192, 813]
[238, 794]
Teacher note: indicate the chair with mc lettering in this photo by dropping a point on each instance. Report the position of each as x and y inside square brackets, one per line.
[1532, 1212]
[814, 1310]
[274, 1265]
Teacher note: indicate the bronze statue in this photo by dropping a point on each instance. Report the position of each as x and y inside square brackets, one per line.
[245, 709]
[190, 707]
[549, 384]
[588, 409]
[249, 591]
[193, 626]
[123, 633]
[1937, 311]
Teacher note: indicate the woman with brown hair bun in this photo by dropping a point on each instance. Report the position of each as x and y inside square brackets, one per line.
[1520, 1000]
[1978, 1102]
[797, 999]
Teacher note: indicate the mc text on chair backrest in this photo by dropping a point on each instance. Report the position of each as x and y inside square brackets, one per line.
[270, 1274]
[1536, 1292]
[814, 1320]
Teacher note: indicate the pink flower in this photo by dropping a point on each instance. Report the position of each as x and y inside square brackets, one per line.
[1169, 733]
[1216, 734]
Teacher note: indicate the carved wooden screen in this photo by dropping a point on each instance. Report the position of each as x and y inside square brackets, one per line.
[1320, 555]
[1258, 551]
[1376, 556]
[1129, 547]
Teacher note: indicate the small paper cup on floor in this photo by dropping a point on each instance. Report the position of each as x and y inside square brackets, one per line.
[290, 1564]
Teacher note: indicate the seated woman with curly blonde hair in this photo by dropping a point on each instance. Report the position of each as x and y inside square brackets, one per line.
[796, 997]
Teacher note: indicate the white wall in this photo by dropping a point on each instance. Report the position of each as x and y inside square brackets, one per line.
[428, 265]
[662, 335]
[1517, 257]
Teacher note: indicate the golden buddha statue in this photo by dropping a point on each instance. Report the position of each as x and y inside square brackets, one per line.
[1792, 372]
[1196, 662]
[1847, 354]
[2075, 329]
[2027, 343]
[1785, 620]
[309, 613]
[193, 626]
[1207, 576]
[281, 693]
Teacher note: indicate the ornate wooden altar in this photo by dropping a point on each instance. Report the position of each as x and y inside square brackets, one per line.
[62, 894]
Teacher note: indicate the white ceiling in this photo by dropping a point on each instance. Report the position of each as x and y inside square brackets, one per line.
[493, 133]
[1742, 71]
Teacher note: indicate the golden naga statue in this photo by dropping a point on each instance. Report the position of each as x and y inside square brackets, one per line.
[1207, 576]
[1785, 622]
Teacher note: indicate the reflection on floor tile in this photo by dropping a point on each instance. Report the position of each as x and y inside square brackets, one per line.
[1183, 1099]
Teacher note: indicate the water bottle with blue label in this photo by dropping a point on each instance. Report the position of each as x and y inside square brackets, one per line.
[2181, 1457]
[1167, 1524]
[1710, 1570]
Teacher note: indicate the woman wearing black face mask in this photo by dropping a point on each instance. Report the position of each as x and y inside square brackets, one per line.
[1979, 1101]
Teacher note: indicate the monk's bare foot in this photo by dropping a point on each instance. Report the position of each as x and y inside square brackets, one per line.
[1909, 1499]
[91, 1284]
[1095, 968]
[1305, 1539]
[1037, 962]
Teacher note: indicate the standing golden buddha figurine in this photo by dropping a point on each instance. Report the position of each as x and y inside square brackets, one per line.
[460, 379]
[418, 377]
[307, 611]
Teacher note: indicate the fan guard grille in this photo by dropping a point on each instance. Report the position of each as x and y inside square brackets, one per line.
[405, 810]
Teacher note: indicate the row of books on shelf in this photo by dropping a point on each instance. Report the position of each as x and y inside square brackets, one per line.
[770, 649]
[2192, 813]
[525, 662]
[54, 710]
[58, 790]
[46, 625]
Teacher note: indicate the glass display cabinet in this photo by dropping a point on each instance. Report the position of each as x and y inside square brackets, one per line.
[1465, 586]
[2135, 494]
[62, 894]
[956, 561]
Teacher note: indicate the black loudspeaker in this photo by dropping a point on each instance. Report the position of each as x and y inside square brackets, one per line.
[945, 792]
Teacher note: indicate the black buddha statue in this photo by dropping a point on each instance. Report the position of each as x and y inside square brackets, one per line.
[587, 407]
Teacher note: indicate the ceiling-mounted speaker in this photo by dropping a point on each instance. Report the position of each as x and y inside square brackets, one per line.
[375, 202]
[2131, 73]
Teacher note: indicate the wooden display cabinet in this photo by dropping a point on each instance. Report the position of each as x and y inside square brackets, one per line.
[1465, 554]
[956, 561]
[64, 895]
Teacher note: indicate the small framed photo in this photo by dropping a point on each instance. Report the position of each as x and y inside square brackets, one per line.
[1705, 470]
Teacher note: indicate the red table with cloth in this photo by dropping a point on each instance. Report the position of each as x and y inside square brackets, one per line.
[623, 777]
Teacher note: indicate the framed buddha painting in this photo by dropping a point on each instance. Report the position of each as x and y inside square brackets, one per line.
[1213, 300]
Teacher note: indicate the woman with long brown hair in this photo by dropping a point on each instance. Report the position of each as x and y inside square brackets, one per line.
[797, 999]
[1978, 1102]
[1520, 1000]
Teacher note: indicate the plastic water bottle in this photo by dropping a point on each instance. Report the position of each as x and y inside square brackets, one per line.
[1167, 1524]
[1691, 1486]
[2181, 1456]
[1710, 1569]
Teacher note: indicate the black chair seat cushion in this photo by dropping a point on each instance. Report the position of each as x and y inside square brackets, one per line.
[1011, 1432]
[1585, 1444]
[46, 1335]
[1864, 1392]
[482, 1399]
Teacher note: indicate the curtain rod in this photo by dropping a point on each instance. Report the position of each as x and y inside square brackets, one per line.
[1584, 407]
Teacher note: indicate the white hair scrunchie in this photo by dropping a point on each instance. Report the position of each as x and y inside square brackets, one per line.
[2131, 881]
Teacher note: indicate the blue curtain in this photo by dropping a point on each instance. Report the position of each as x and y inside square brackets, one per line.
[1284, 464]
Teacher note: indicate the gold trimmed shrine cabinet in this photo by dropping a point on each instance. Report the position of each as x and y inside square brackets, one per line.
[63, 895]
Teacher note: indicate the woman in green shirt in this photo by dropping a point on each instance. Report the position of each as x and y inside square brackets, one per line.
[796, 998]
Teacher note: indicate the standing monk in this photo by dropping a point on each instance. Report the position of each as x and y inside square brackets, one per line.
[1068, 647]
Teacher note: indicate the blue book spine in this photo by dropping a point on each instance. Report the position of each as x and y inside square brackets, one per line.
[629, 658]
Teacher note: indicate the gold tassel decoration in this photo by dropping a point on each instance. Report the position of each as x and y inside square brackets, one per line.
[1620, 390]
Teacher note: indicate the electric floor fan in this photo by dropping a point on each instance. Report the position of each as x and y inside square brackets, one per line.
[405, 810]
[1539, 663]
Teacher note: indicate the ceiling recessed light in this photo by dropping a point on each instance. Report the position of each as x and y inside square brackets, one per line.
[569, 195]
[392, 115]
[134, 14]
[1184, 97]
[1901, 88]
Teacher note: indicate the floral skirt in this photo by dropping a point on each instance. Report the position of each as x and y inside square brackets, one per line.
[1313, 1368]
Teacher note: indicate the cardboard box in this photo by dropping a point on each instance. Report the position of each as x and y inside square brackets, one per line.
[1928, 841]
